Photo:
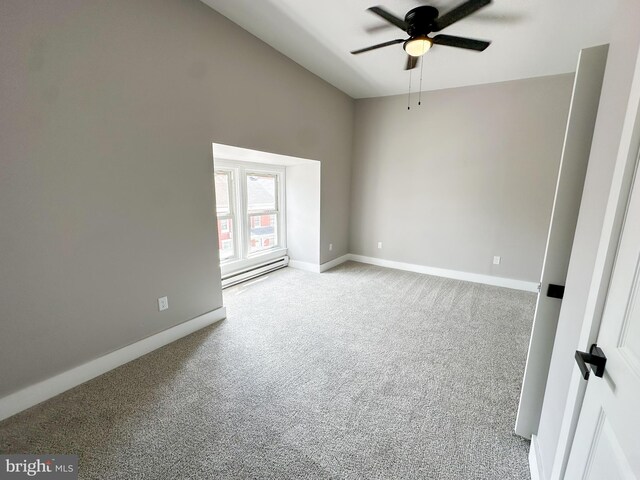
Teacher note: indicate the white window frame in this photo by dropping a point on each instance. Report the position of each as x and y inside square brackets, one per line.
[259, 213]
[233, 210]
[241, 223]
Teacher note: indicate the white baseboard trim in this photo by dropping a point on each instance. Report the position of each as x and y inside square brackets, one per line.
[306, 266]
[46, 389]
[455, 274]
[312, 267]
[334, 263]
[535, 464]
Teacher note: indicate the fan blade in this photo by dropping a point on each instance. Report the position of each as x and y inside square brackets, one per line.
[461, 42]
[380, 45]
[502, 18]
[412, 62]
[380, 27]
[390, 17]
[458, 13]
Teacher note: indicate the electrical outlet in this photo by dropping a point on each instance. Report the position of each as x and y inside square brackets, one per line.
[496, 260]
[330, 246]
[163, 303]
[379, 244]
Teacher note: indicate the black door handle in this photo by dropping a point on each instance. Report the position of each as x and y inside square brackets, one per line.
[595, 357]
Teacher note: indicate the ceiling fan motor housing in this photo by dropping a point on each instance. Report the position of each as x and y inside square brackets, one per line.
[421, 20]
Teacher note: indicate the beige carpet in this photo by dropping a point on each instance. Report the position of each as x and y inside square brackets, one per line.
[360, 372]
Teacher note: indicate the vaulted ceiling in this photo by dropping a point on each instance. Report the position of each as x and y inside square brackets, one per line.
[530, 38]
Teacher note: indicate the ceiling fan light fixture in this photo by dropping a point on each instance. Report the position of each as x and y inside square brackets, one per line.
[416, 47]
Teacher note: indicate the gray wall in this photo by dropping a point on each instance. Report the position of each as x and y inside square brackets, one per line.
[468, 175]
[107, 114]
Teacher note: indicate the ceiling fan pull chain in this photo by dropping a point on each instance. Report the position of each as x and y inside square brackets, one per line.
[409, 97]
[420, 92]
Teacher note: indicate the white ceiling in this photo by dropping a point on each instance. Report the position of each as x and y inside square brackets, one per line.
[530, 38]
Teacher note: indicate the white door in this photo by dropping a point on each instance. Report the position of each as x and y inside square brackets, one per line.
[573, 168]
[607, 440]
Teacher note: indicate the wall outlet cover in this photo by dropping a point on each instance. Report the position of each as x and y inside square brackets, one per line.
[496, 260]
[163, 303]
[379, 244]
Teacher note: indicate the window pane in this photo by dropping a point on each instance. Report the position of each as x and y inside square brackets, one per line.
[263, 232]
[261, 192]
[225, 239]
[222, 193]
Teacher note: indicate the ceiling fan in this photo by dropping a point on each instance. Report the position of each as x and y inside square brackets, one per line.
[419, 22]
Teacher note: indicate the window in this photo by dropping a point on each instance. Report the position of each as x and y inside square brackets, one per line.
[250, 213]
[262, 210]
[225, 211]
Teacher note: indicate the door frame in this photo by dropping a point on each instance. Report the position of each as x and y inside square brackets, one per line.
[623, 174]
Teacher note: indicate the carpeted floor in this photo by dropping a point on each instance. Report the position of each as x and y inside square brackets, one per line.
[358, 373]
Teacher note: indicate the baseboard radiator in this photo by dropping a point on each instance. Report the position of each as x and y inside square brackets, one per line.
[255, 271]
